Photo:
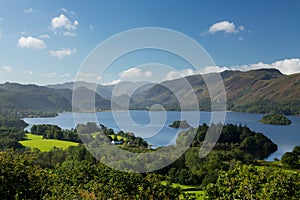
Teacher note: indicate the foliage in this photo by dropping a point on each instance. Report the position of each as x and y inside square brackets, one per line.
[236, 144]
[23, 177]
[248, 182]
[91, 133]
[292, 159]
[54, 132]
[11, 131]
[20, 178]
[275, 119]
[284, 107]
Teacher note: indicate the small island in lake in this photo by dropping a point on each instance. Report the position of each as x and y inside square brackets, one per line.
[180, 124]
[275, 119]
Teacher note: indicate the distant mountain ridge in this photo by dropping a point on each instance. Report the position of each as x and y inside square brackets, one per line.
[260, 91]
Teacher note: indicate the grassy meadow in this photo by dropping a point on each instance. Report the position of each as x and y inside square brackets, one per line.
[44, 145]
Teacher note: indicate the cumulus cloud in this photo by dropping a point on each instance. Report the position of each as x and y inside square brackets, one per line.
[62, 53]
[212, 69]
[64, 24]
[286, 66]
[135, 73]
[114, 82]
[179, 74]
[29, 11]
[31, 43]
[226, 26]
[132, 74]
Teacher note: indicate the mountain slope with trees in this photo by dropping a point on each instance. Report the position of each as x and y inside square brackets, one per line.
[259, 91]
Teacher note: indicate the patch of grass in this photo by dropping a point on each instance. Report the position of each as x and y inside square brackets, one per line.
[199, 194]
[188, 189]
[44, 145]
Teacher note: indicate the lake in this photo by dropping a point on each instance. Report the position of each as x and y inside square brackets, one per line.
[154, 126]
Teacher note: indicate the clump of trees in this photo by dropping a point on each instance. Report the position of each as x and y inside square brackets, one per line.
[11, 132]
[236, 144]
[55, 132]
[25, 175]
[276, 119]
[292, 159]
[249, 182]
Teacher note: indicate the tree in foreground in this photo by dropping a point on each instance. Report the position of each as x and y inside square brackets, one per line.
[249, 182]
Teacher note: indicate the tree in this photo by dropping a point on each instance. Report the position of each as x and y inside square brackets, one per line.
[249, 182]
[290, 159]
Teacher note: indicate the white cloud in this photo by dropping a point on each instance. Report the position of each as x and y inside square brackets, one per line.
[241, 38]
[179, 74]
[7, 68]
[31, 43]
[1, 19]
[212, 69]
[114, 82]
[62, 53]
[63, 23]
[29, 11]
[135, 73]
[1, 34]
[91, 27]
[132, 74]
[44, 36]
[287, 66]
[226, 26]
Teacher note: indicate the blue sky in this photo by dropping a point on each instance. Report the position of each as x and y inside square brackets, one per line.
[45, 42]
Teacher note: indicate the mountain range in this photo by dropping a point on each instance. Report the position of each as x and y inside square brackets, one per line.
[259, 91]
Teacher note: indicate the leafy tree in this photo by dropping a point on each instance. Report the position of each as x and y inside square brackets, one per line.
[290, 159]
[249, 182]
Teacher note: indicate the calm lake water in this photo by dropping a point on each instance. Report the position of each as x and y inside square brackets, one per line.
[153, 126]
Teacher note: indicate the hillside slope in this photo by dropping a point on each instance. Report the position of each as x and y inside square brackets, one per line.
[261, 91]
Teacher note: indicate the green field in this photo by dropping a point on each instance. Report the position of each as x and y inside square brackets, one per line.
[37, 141]
[196, 194]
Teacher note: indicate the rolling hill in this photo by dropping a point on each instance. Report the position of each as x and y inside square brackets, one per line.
[14, 96]
[259, 91]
